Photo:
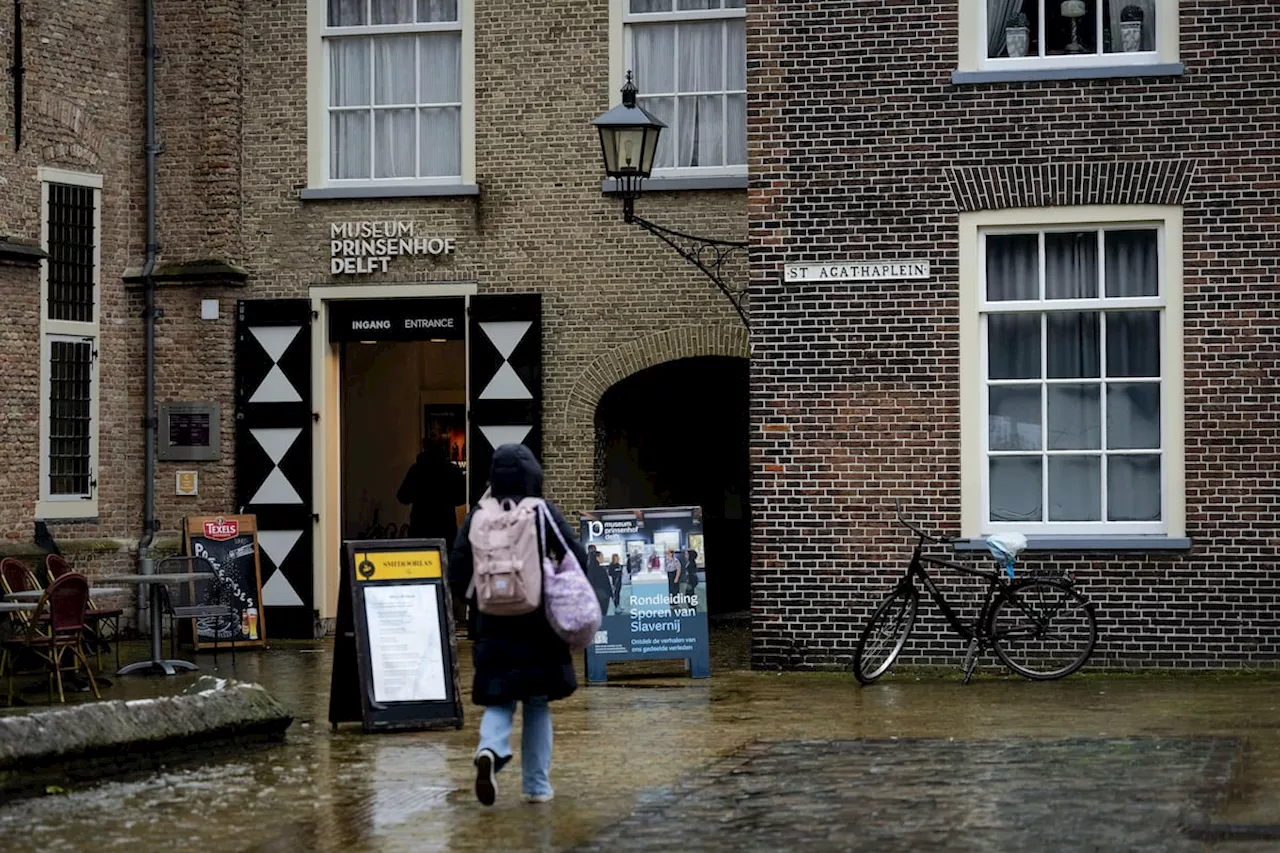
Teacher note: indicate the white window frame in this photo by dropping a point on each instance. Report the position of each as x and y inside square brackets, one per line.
[318, 144]
[620, 15]
[974, 407]
[974, 48]
[69, 506]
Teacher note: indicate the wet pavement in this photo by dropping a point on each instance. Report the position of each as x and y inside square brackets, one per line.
[741, 762]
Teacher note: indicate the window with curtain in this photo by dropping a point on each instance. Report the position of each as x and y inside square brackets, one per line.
[1056, 32]
[395, 93]
[690, 63]
[1073, 325]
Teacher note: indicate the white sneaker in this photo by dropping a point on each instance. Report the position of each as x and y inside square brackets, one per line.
[539, 798]
[486, 777]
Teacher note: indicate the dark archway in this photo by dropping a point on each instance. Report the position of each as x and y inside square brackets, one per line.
[677, 435]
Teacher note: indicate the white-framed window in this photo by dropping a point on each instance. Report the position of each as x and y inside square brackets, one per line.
[1056, 34]
[395, 92]
[689, 58]
[70, 291]
[1074, 378]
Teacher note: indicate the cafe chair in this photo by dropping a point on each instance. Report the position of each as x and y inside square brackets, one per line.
[63, 607]
[103, 622]
[16, 577]
[201, 599]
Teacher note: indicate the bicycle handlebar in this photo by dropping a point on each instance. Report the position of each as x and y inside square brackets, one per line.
[942, 540]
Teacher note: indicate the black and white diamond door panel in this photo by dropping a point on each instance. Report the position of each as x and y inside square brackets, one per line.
[505, 382]
[273, 454]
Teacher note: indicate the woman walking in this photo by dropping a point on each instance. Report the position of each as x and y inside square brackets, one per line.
[517, 658]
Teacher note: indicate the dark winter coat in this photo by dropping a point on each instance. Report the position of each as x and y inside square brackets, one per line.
[516, 657]
[434, 486]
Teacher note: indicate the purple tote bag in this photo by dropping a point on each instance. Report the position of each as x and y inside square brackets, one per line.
[572, 607]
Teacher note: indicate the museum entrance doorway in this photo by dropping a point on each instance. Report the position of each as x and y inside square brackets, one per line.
[677, 434]
[403, 398]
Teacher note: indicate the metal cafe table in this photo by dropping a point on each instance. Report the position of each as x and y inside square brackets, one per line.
[34, 594]
[157, 664]
[16, 606]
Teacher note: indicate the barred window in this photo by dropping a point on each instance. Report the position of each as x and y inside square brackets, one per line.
[69, 330]
[71, 242]
[70, 415]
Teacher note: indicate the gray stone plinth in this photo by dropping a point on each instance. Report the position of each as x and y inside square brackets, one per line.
[101, 739]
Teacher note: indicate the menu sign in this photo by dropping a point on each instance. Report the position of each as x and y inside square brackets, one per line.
[230, 544]
[395, 658]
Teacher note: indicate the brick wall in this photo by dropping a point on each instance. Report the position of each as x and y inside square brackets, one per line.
[856, 137]
[232, 119]
[81, 112]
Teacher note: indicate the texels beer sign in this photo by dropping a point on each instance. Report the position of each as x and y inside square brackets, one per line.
[221, 529]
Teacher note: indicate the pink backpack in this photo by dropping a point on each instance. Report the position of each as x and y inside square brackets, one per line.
[507, 561]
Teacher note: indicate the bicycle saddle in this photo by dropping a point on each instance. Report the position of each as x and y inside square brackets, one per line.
[1005, 547]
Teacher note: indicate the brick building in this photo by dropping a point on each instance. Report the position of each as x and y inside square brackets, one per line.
[1019, 274]
[321, 162]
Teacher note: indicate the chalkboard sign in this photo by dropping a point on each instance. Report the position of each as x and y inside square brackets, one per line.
[230, 544]
[395, 664]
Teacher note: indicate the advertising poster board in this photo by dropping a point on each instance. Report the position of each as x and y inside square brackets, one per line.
[649, 570]
[230, 544]
[395, 658]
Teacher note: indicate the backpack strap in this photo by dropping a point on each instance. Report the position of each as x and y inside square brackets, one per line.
[543, 513]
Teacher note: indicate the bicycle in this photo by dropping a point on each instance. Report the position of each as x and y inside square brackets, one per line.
[1027, 621]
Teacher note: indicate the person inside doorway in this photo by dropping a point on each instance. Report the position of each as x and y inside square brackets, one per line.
[434, 487]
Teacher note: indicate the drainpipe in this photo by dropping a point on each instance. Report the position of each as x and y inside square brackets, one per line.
[146, 563]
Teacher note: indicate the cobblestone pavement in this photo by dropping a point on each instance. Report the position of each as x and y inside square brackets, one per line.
[909, 794]
[743, 761]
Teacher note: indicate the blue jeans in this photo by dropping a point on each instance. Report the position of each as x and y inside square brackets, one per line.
[535, 741]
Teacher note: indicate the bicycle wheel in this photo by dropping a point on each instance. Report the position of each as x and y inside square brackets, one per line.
[1043, 629]
[885, 635]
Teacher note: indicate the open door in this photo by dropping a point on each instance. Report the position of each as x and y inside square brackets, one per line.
[505, 379]
[273, 454]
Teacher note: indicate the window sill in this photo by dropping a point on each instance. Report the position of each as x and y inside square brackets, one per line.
[670, 185]
[1095, 72]
[391, 191]
[1080, 544]
[67, 512]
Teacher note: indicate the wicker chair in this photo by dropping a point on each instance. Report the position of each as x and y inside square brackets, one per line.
[103, 622]
[63, 606]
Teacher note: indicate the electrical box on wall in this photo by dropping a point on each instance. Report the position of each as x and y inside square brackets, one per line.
[189, 432]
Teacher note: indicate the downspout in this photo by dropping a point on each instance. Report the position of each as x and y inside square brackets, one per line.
[146, 563]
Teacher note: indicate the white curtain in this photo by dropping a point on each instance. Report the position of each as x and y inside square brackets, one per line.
[346, 13]
[700, 119]
[350, 85]
[698, 64]
[437, 11]
[998, 14]
[440, 125]
[393, 11]
[395, 137]
[393, 74]
[1116, 7]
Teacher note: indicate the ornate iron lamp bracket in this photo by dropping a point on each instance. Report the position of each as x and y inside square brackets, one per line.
[706, 253]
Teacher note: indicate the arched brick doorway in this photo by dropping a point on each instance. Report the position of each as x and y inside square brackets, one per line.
[677, 434]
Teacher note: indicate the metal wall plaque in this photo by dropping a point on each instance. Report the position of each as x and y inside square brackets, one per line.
[189, 432]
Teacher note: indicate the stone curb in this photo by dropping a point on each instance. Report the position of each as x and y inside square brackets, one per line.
[97, 740]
